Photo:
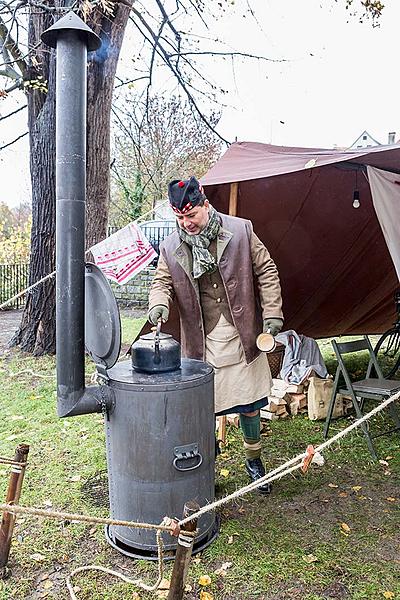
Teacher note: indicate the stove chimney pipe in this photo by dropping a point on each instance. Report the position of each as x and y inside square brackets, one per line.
[72, 39]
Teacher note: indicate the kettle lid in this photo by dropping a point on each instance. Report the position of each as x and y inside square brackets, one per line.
[102, 319]
[152, 335]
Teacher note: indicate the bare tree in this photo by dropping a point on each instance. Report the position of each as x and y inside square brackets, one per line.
[155, 140]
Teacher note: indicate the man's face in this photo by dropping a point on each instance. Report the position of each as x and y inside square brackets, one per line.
[195, 220]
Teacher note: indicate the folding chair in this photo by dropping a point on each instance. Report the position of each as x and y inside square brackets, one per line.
[377, 388]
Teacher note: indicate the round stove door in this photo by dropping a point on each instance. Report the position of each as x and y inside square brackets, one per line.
[102, 320]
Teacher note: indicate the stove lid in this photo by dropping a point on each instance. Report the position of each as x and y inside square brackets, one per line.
[102, 321]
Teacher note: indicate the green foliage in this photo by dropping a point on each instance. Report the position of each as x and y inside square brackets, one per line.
[15, 233]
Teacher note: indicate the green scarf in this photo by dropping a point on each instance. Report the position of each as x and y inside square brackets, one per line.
[203, 260]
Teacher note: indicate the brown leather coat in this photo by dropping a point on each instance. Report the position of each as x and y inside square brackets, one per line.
[249, 276]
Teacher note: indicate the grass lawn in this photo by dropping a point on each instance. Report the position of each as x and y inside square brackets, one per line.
[332, 533]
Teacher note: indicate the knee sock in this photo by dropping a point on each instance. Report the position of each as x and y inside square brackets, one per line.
[251, 435]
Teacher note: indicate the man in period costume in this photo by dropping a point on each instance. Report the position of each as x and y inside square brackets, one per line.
[226, 288]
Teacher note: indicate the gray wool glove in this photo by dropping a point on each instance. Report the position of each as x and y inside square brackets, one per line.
[272, 326]
[159, 311]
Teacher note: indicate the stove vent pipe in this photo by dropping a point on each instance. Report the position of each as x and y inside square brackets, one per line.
[72, 39]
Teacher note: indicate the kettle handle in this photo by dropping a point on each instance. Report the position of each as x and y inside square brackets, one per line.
[157, 355]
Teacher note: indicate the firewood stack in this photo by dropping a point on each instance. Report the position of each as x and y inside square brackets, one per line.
[286, 399]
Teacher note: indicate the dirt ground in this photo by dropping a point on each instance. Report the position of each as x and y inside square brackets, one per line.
[9, 321]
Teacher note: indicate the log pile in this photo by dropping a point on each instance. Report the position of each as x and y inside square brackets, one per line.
[286, 399]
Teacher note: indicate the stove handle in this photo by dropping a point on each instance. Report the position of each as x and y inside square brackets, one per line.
[185, 453]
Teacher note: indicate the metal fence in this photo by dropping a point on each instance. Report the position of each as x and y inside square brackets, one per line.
[13, 279]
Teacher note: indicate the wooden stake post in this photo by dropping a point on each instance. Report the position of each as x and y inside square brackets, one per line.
[183, 554]
[233, 205]
[13, 495]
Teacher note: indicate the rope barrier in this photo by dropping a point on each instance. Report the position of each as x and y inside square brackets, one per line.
[34, 285]
[40, 512]
[285, 469]
[9, 461]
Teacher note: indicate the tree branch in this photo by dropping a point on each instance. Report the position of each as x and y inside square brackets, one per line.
[14, 112]
[12, 47]
[13, 142]
[175, 70]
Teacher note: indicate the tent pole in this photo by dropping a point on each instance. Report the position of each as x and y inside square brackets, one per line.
[233, 199]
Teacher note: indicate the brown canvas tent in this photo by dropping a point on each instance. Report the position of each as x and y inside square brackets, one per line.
[336, 272]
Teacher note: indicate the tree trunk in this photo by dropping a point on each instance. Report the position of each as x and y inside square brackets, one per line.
[36, 333]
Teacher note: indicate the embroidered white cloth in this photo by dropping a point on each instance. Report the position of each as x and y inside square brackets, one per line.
[124, 254]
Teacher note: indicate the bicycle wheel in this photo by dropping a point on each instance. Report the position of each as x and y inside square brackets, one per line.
[387, 351]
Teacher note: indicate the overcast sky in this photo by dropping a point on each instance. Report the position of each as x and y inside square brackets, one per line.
[334, 78]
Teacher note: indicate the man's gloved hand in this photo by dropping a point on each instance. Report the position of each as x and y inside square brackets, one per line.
[273, 326]
[158, 312]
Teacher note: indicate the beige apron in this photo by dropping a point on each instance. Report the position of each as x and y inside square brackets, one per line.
[235, 381]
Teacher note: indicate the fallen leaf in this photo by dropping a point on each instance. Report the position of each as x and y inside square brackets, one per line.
[223, 569]
[343, 494]
[17, 418]
[196, 561]
[388, 457]
[48, 503]
[48, 584]
[135, 596]
[224, 472]
[345, 527]
[332, 485]
[384, 462]
[204, 580]
[231, 538]
[37, 557]
[75, 478]
[206, 595]
[388, 595]
[188, 587]
[76, 588]
[356, 488]
[309, 558]
[164, 584]
[391, 499]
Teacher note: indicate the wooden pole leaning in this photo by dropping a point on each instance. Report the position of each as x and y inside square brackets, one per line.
[13, 495]
[183, 554]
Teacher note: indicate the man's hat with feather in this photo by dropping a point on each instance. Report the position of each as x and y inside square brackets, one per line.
[185, 195]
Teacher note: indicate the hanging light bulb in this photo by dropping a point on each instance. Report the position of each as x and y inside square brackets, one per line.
[356, 199]
[356, 194]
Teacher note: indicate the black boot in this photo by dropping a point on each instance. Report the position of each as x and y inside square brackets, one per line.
[256, 470]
